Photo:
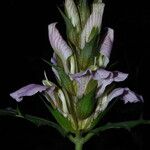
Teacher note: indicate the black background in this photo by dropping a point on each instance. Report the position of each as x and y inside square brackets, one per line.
[25, 41]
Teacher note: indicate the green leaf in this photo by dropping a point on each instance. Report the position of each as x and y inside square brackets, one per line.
[63, 122]
[34, 119]
[9, 112]
[43, 122]
[125, 125]
[85, 105]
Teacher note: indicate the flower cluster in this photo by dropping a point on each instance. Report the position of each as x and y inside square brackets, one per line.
[84, 87]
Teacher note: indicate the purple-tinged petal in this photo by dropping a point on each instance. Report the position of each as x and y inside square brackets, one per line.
[106, 46]
[50, 90]
[94, 20]
[28, 90]
[82, 79]
[51, 95]
[119, 76]
[59, 45]
[80, 74]
[105, 78]
[53, 59]
[102, 86]
[130, 96]
[101, 74]
[115, 93]
[125, 94]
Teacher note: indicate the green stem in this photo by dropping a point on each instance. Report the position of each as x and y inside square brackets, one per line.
[78, 146]
[79, 141]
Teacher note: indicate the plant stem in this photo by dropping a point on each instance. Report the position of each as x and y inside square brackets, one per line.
[79, 141]
[78, 146]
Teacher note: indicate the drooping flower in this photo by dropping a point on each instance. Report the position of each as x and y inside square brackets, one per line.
[124, 94]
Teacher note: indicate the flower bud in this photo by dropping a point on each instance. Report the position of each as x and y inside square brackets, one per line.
[72, 12]
[94, 21]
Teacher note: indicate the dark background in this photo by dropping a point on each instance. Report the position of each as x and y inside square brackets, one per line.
[25, 41]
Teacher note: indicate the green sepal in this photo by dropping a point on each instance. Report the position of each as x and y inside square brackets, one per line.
[85, 105]
[62, 121]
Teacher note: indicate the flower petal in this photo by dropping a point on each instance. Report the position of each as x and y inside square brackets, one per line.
[82, 79]
[105, 78]
[53, 59]
[59, 45]
[51, 96]
[28, 90]
[94, 20]
[125, 94]
[106, 46]
[119, 76]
